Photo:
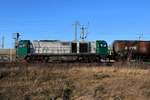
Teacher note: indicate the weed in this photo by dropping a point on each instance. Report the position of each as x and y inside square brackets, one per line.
[101, 75]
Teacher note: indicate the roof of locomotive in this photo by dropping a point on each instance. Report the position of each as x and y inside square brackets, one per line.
[63, 41]
[49, 40]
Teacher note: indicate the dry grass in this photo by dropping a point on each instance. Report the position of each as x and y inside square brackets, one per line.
[43, 82]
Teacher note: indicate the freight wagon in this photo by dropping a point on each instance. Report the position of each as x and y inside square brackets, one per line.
[131, 49]
[7, 55]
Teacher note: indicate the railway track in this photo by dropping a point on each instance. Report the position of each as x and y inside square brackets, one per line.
[143, 65]
[66, 64]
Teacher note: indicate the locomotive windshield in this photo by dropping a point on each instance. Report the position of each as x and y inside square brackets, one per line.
[24, 44]
[101, 48]
[23, 48]
[102, 45]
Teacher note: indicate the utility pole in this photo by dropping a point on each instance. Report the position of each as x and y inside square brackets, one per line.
[76, 24]
[3, 39]
[16, 39]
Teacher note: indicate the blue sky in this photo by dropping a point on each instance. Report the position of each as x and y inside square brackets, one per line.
[52, 19]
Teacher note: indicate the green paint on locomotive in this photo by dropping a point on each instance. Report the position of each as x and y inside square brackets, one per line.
[23, 48]
[101, 48]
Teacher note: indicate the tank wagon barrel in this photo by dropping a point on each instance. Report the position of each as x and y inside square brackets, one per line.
[7, 55]
[8, 52]
[132, 48]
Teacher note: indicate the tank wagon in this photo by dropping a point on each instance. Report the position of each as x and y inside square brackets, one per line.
[131, 49]
[55, 50]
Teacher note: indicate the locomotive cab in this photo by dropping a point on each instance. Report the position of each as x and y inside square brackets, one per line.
[23, 48]
[101, 48]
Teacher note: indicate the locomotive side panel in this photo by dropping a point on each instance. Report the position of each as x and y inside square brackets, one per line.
[57, 47]
[63, 47]
[93, 47]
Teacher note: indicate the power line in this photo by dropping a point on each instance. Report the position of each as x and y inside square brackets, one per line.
[84, 32]
[140, 36]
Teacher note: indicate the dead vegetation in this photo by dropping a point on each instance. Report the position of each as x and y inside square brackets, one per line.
[45, 82]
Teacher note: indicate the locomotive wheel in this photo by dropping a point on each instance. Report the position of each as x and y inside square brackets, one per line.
[28, 59]
[45, 59]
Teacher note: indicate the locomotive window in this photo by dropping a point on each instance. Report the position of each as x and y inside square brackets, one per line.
[65, 43]
[100, 45]
[105, 45]
[20, 46]
[31, 46]
[24, 45]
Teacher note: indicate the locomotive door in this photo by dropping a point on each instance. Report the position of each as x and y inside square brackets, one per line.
[83, 47]
[74, 47]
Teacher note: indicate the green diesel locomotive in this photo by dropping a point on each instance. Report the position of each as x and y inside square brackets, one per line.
[55, 50]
